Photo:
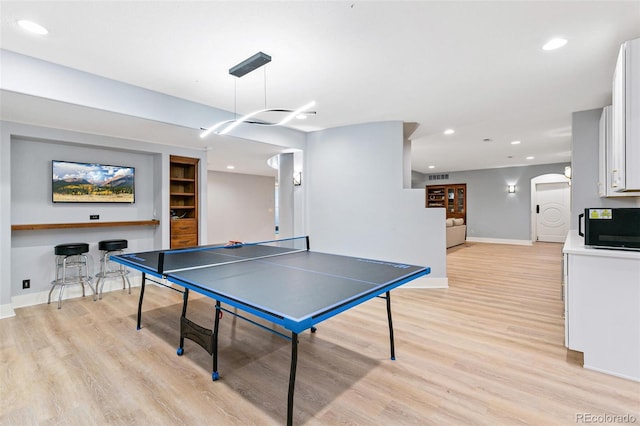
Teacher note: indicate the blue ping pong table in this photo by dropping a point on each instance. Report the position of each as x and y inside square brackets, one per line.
[281, 281]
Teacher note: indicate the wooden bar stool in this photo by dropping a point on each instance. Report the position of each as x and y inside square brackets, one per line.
[109, 247]
[71, 268]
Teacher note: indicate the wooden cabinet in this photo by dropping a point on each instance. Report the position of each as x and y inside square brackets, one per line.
[184, 233]
[453, 198]
[183, 200]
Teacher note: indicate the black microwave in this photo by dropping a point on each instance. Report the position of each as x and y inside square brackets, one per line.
[611, 228]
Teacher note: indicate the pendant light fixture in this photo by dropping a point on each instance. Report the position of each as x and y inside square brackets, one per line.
[243, 68]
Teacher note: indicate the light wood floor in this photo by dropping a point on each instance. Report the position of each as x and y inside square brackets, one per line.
[487, 350]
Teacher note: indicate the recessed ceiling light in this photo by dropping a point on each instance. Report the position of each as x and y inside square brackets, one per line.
[230, 167]
[555, 43]
[449, 132]
[515, 142]
[32, 27]
[432, 167]
[530, 157]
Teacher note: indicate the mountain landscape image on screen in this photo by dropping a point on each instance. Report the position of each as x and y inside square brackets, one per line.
[92, 183]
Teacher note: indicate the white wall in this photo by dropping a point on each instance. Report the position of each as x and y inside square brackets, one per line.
[356, 203]
[5, 223]
[31, 180]
[240, 207]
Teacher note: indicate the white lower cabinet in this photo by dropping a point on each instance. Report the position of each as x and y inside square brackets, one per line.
[602, 307]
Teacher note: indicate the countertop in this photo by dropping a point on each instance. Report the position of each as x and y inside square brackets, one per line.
[574, 244]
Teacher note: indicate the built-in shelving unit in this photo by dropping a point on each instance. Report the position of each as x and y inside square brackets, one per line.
[436, 196]
[183, 199]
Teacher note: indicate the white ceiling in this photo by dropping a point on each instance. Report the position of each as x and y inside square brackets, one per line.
[476, 67]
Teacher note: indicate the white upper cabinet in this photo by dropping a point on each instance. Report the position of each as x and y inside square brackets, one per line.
[625, 120]
[605, 156]
[604, 153]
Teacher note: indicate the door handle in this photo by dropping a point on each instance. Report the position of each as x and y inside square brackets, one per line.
[537, 208]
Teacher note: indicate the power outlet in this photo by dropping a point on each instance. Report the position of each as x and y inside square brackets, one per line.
[94, 216]
[26, 284]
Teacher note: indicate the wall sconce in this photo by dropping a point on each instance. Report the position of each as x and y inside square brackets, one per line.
[511, 189]
[297, 179]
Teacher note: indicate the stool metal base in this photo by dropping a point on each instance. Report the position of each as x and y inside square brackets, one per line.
[65, 263]
[106, 273]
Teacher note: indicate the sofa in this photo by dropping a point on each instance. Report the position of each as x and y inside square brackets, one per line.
[456, 232]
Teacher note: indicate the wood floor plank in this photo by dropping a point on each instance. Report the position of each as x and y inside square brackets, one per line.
[487, 350]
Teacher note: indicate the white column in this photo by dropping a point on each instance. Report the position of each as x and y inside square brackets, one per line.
[285, 196]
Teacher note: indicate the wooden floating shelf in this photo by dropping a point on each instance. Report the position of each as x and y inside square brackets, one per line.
[38, 226]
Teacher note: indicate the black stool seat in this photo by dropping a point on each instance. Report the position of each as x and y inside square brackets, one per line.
[71, 249]
[112, 245]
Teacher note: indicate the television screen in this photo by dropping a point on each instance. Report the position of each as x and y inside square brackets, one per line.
[91, 183]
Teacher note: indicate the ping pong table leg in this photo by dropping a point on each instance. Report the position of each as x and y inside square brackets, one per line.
[185, 300]
[216, 323]
[393, 351]
[144, 278]
[292, 377]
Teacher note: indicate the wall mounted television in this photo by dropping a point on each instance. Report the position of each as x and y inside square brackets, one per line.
[74, 182]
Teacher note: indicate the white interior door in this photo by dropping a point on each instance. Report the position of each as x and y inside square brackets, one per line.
[552, 211]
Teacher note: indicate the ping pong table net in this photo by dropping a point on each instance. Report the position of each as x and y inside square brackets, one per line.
[171, 261]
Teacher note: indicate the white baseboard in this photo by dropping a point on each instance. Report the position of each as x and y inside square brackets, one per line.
[6, 311]
[70, 292]
[428, 282]
[635, 378]
[499, 241]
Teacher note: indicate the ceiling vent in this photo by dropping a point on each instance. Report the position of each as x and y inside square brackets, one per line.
[443, 176]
